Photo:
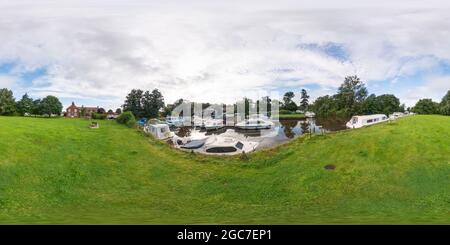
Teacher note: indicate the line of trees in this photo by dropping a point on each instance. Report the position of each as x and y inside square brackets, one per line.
[47, 106]
[428, 106]
[352, 98]
[288, 105]
[144, 104]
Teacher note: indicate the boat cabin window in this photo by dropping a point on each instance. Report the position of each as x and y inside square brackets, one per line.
[355, 120]
[221, 149]
[369, 120]
[239, 145]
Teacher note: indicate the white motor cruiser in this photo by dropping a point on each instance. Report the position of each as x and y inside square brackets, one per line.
[254, 123]
[159, 131]
[195, 140]
[223, 145]
[212, 124]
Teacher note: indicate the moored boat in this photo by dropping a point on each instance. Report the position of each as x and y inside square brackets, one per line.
[212, 124]
[227, 145]
[361, 121]
[159, 131]
[310, 114]
[174, 121]
[254, 124]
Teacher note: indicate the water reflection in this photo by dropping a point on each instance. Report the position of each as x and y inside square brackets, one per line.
[283, 131]
[288, 127]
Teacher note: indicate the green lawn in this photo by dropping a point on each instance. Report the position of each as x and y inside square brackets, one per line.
[60, 171]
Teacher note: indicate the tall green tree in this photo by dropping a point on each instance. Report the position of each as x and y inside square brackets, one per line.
[304, 100]
[25, 105]
[288, 103]
[426, 106]
[7, 102]
[51, 105]
[350, 96]
[388, 104]
[36, 109]
[170, 107]
[445, 104]
[370, 105]
[118, 111]
[133, 102]
[152, 103]
[325, 106]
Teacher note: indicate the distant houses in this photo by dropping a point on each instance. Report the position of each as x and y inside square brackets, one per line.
[75, 111]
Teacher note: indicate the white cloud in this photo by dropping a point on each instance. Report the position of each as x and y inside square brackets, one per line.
[7, 81]
[434, 88]
[211, 51]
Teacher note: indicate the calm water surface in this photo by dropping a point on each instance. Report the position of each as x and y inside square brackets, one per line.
[283, 131]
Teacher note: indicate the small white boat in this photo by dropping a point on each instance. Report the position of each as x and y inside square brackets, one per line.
[174, 121]
[310, 114]
[159, 131]
[254, 124]
[222, 145]
[213, 124]
[396, 115]
[195, 140]
[361, 121]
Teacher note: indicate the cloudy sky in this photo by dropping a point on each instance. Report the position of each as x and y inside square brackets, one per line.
[94, 52]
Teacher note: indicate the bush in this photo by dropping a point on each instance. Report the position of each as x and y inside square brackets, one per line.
[98, 116]
[130, 123]
[127, 118]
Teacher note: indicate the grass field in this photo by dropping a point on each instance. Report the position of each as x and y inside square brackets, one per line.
[60, 171]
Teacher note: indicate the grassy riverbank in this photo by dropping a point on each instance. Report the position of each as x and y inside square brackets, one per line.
[60, 171]
[292, 116]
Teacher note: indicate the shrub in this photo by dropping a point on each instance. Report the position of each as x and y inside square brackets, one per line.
[127, 118]
[98, 116]
[130, 123]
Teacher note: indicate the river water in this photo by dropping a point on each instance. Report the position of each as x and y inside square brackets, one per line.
[283, 131]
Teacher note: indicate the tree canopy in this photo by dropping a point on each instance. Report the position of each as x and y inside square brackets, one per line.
[25, 105]
[144, 104]
[288, 103]
[445, 104]
[152, 103]
[304, 100]
[426, 106]
[133, 102]
[51, 105]
[7, 102]
[350, 96]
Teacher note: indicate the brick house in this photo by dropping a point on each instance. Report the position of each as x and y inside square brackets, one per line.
[75, 111]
